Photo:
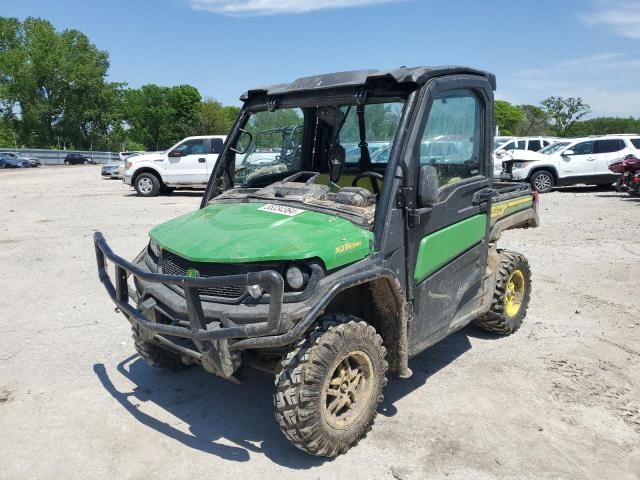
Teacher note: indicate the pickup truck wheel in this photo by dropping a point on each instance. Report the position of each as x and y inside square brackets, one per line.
[542, 181]
[155, 355]
[511, 296]
[329, 386]
[147, 185]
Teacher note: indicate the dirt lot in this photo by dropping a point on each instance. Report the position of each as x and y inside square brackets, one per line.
[560, 399]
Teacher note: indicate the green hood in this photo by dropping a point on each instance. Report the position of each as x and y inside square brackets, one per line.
[253, 232]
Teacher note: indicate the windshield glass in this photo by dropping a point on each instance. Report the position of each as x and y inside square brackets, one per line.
[276, 147]
[553, 148]
[381, 123]
[314, 154]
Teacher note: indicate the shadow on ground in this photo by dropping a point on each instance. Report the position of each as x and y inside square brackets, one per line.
[218, 413]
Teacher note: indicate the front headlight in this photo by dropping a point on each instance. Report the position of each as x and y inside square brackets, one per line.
[296, 278]
[155, 248]
[518, 164]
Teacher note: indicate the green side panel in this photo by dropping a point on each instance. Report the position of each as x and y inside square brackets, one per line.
[242, 233]
[439, 248]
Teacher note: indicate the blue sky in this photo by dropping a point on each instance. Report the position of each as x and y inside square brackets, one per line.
[587, 48]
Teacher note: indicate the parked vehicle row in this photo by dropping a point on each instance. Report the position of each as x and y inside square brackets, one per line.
[570, 162]
[14, 160]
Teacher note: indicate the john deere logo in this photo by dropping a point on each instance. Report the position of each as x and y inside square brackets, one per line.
[192, 272]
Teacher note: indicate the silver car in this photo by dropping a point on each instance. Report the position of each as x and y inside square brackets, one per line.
[112, 170]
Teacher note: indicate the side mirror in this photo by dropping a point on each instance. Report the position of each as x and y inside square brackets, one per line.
[244, 143]
[568, 152]
[175, 153]
[428, 186]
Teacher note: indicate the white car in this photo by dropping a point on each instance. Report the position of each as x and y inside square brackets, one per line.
[569, 162]
[504, 145]
[188, 163]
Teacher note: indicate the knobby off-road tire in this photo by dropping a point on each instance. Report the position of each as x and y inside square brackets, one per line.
[511, 297]
[314, 376]
[155, 355]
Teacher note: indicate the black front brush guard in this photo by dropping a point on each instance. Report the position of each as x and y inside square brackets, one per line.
[270, 281]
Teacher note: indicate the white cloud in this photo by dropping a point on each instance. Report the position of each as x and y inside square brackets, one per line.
[622, 17]
[607, 82]
[271, 7]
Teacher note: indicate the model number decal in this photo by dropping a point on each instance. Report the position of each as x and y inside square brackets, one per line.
[499, 208]
[347, 246]
[280, 209]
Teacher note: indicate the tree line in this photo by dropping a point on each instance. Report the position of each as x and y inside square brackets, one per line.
[54, 93]
[558, 116]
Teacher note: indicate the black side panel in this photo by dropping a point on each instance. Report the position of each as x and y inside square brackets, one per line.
[443, 295]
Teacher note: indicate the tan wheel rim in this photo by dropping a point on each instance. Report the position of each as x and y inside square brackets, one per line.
[515, 293]
[348, 391]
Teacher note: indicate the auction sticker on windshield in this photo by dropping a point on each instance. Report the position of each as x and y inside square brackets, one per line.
[281, 209]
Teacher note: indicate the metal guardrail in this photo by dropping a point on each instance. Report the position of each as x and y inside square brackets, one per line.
[56, 157]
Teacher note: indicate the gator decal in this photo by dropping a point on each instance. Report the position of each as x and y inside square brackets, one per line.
[348, 246]
[501, 209]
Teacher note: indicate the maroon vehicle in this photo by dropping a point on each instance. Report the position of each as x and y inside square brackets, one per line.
[629, 170]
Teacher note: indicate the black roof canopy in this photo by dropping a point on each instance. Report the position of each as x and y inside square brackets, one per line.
[415, 75]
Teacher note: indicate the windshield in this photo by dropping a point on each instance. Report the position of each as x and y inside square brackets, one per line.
[553, 148]
[276, 147]
[497, 143]
[313, 155]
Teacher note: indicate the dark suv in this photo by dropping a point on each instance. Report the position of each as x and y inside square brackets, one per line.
[77, 159]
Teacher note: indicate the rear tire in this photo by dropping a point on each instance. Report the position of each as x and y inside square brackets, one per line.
[155, 355]
[542, 181]
[147, 185]
[511, 296]
[329, 386]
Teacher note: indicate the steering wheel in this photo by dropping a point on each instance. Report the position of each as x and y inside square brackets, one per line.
[373, 177]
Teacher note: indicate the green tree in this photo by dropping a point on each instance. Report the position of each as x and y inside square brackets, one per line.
[535, 121]
[508, 117]
[54, 83]
[216, 119]
[160, 116]
[604, 126]
[564, 112]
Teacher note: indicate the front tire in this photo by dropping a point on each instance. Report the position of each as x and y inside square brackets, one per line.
[147, 185]
[330, 385]
[542, 181]
[511, 296]
[155, 355]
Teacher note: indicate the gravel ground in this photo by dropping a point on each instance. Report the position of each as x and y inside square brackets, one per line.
[559, 399]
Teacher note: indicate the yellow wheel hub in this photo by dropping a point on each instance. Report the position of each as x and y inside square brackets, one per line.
[514, 295]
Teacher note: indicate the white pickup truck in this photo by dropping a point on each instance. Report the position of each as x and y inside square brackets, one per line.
[188, 163]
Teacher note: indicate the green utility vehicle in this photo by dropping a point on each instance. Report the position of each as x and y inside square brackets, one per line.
[329, 269]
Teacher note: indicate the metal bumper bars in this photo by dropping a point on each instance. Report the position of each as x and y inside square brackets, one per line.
[269, 280]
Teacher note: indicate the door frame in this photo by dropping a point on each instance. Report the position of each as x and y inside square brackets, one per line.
[457, 202]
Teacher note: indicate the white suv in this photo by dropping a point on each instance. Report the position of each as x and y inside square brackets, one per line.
[570, 162]
[504, 145]
[188, 163]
